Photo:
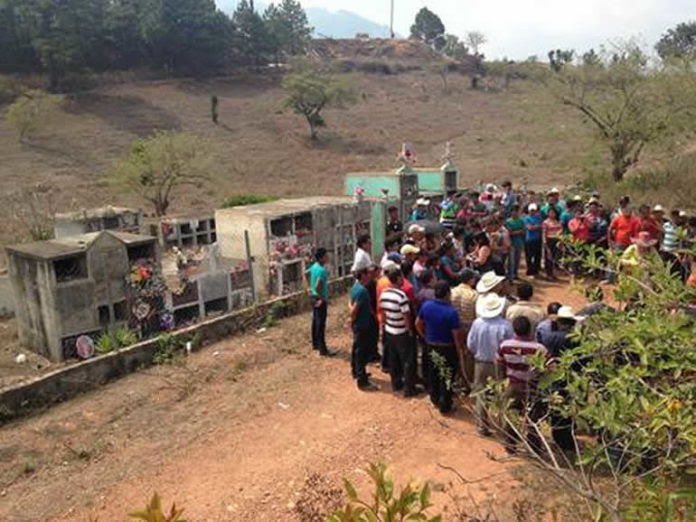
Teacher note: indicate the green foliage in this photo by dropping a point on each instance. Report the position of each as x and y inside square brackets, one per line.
[443, 369]
[287, 24]
[275, 312]
[124, 336]
[628, 102]
[105, 344]
[678, 42]
[309, 91]
[240, 200]
[31, 111]
[158, 166]
[428, 28]
[153, 512]
[412, 503]
[169, 350]
[656, 501]
[558, 59]
[454, 47]
[254, 43]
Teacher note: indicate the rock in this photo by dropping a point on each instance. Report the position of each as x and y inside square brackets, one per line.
[21, 359]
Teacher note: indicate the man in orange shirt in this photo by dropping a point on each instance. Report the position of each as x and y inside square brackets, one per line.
[624, 227]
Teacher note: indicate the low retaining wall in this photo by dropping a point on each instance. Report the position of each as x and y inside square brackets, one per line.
[7, 306]
[60, 385]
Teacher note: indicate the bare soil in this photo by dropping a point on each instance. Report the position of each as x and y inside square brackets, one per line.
[235, 433]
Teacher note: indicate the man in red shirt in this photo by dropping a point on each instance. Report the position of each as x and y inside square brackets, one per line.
[648, 223]
[623, 228]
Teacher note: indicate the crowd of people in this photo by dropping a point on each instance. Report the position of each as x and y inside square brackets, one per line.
[448, 305]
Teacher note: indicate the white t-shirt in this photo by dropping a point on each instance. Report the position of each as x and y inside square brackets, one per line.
[362, 260]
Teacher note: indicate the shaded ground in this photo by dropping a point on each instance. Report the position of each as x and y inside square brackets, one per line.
[233, 436]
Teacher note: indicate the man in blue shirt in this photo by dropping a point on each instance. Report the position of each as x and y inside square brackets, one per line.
[363, 322]
[438, 323]
[533, 240]
[319, 295]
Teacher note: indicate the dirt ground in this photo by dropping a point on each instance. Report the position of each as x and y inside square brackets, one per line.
[234, 434]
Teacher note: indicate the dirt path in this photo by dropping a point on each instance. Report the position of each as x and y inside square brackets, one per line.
[234, 435]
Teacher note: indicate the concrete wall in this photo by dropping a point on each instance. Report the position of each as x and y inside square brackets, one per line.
[21, 399]
[7, 306]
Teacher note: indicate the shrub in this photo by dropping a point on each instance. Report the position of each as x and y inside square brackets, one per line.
[124, 336]
[153, 512]
[105, 344]
[240, 200]
[168, 350]
[410, 504]
[30, 111]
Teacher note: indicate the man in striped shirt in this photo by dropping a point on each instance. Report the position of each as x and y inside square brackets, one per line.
[514, 362]
[398, 332]
[670, 233]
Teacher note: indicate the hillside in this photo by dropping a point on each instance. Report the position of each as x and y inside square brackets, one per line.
[263, 148]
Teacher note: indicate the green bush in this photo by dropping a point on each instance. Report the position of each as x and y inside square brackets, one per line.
[240, 200]
[105, 344]
[169, 350]
[153, 512]
[125, 337]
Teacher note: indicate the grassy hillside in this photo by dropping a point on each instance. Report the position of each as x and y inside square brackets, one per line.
[261, 148]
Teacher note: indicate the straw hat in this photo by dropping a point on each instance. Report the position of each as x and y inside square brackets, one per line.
[422, 202]
[658, 208]
[488, 282]
[416, 229]
[644, 240]
[533, 207]
[566, 312]
[553, 191]
[409, 249]
[490, 306]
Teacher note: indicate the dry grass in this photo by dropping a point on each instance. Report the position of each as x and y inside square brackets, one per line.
[262, 148]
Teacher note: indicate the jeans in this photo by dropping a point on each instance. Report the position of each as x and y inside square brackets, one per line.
[362, 340]
[513, 261]
[319, 314]
[533, 257]
[401, 365]
[442, 379]
[482, 372]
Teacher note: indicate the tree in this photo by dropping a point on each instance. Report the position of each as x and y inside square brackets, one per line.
[30, 111]
[308, 92]
[629, 103]
[559, 58]
[475, 40]
[288, 27]
[428, 28]
[454, 47]
[253, 42]
[157, 167]
[678, 42]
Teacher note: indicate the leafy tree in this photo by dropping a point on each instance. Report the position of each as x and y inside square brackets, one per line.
[559, 58]
[678, 42]
[428, 28]
[30, 111]
[591, 58]
[629, 103]
[475, 40]
[288, 27]
[308, 92]
[253, 41]
[157, 167]
[454, 47]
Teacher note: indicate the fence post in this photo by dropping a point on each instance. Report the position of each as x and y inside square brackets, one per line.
[250, 263]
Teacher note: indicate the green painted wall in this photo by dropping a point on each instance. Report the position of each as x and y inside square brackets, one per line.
[431, 181]
[379, 226]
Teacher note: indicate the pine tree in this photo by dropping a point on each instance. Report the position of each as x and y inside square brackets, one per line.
[288, 28]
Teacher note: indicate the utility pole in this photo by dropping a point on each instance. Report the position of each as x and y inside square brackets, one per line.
[391, 20]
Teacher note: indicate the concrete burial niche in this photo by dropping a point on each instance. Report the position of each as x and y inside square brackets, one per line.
[67, 287]
[284, 234]
[399, 188]
[118, 219]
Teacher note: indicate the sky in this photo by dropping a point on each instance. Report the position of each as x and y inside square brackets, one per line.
[517, 29]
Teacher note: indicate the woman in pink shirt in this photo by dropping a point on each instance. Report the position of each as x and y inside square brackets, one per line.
[552, 229]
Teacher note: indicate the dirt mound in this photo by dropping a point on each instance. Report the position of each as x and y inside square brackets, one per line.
[409, 50]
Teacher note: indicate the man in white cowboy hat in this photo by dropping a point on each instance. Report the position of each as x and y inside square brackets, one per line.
[553, 200]
[489, 282]
[487, 333]
[420, 213]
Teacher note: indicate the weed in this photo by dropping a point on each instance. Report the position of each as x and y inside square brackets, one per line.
[275, 312]
[28, 466]
[125, 337]
[153, 512]
[168, 350]
[105, 344]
